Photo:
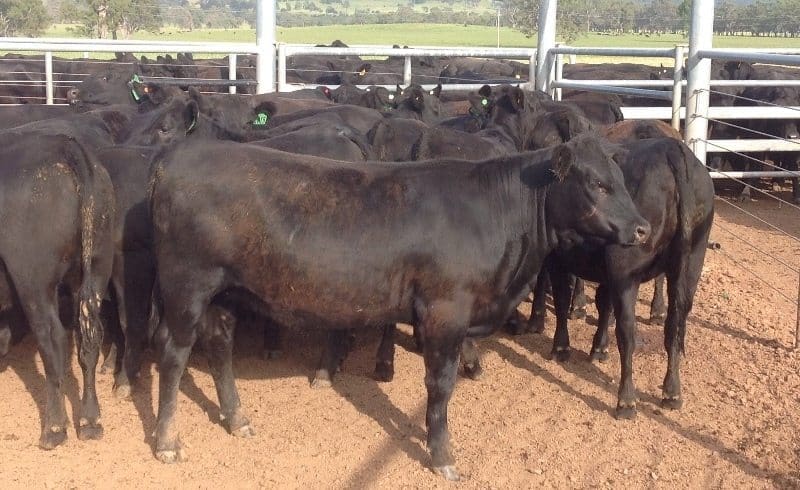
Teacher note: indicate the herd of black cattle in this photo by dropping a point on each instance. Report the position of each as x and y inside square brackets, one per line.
[164, 216]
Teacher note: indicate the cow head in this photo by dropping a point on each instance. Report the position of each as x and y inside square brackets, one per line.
[554, 128]
[165, 125]
[588, 199]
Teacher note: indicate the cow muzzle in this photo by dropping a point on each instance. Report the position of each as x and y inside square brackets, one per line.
[640, 234]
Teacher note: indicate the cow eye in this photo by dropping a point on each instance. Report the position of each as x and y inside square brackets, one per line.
[601, 187]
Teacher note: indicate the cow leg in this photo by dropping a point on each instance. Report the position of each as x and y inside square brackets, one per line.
[562, 295]
[682, 283]
[272, 340]
[218, 343]
[440, 353]
[338, 345]
[470, 359]
[384, 364]
[539, 304]
[135, 292]
[602, 301]
[174, 341]
[5, 336]
[42, 316]
[89, 427]
[657, 308]
[577, 307]
[624, 300]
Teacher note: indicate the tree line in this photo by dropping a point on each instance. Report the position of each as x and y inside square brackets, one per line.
[121, 18]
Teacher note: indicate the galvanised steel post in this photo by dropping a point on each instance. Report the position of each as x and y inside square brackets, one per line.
[232, 72]
[546, 41]
[677, 87]
[698, 74]
[407, 71]
[48, 77]
[265, 40]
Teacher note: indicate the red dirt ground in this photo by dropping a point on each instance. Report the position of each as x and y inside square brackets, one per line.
[530, 422]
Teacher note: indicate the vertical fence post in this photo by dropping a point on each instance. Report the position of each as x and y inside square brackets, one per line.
[546, 40]
[265, 41]
[698, 75]
[797, 320]
[282, 67]
[532, 71]
[559, 74]
[48, 77]
[232, 72]
[677, 87]
[407, 71]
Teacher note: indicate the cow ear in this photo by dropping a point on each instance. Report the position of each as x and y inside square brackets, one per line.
[565, 127]
[363, 69]
[190, 115]
[485, 91]
[518, 98]
[437, 91]
[561, 162]
[398, 91]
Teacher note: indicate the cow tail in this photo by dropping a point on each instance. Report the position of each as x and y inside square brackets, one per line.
[681, 160]
[88, 299]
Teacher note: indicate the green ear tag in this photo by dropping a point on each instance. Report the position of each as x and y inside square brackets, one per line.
[484, 102]
[135, 95]
[261, 119]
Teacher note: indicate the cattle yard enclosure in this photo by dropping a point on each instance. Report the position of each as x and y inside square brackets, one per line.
[739, 355]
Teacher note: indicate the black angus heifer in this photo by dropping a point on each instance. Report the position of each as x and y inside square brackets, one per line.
[56, 210]
[446, 245]
[674, 192]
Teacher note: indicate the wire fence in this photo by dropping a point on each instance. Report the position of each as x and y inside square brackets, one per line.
[742, 130]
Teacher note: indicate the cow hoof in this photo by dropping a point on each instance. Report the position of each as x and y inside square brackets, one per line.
[657, 319]
[271, 354]
[449, 472]
[172, 456]
[122, 392]
[90, 431]
[536, 324]
[599, 355]
[625, 412]
[577, 314]
[561, 354]
[244, 431]
[473, 371]
[53, 438]
[321, 380]
[672, 403]
[384, 372]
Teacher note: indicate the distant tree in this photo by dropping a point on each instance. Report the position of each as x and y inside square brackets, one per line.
[22, 17]
[571, 17]
[113, 18]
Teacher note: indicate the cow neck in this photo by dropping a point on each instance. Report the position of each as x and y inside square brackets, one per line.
[518, 186]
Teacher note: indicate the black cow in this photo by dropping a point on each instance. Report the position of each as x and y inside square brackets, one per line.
[446, 245]
[56, 207]
[674, 192]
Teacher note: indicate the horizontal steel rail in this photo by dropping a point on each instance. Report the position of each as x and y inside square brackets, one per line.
[720, 112]
[769, 174]
[520, 53]
[751, 57]
[111, 46]
[287, 50]
[633, 52]
[607, 89]
[749, 145]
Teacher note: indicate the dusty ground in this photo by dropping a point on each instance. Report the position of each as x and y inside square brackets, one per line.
[530, 422]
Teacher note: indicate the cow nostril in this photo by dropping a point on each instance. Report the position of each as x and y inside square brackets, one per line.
[641, 233]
